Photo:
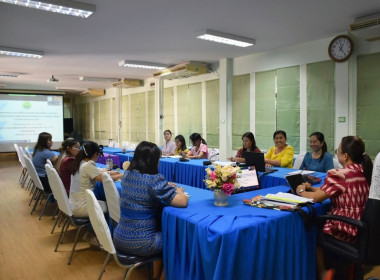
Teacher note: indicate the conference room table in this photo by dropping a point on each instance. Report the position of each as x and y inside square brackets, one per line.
[204, 241]
[103, 159]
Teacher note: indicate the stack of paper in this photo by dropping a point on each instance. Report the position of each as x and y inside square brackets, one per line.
[301, 172]
[284, 198]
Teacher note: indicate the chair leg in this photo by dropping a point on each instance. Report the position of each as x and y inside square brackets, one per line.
[56, 212]
[37, 200]
[75, 243]
[46, 203]
[33, 196]
[104, 266]
[29, 186]
[56, 222]
[61, 235]
[129, 270]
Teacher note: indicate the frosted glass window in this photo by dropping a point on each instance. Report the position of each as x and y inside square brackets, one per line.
[212, 113]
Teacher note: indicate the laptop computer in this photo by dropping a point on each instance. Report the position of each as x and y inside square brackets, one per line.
[257, 160]
[294, 181]
[248, 180]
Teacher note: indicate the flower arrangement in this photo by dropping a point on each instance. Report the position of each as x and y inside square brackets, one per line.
[222, 178]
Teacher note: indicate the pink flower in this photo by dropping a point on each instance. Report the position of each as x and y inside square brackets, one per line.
[228, 188]
[233, 176]
[212, 175]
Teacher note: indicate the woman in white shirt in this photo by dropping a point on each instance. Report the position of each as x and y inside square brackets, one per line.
[84, 176]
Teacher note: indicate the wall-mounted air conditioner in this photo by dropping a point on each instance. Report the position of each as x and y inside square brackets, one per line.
[128, 83]
[183, 70]
[367, 28]
[93, 92]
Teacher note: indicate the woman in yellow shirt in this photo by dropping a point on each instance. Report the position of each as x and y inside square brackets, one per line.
[281, 154]
[180, 145]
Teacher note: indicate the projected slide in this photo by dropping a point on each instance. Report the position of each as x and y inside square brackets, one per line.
[23, 117]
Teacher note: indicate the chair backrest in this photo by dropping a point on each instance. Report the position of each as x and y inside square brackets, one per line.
[99, 223]
[112, 197]
[28, 153]
[116, 145]
[21, 156]
[132, 147]
[32, 172]
[371, 216]
[58, 190]
[337, 165]
[49, 162]
[125, 145]
[111, 144]
[17, 152]
[213, 154]
[298, 161]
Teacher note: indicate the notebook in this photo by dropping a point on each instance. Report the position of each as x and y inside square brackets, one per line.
[248, 180]
[294, 181]
[257, 160]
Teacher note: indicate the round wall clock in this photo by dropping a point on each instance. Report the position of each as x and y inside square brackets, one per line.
[341, 48]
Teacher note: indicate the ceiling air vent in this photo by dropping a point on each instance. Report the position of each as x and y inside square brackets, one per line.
[367, 28]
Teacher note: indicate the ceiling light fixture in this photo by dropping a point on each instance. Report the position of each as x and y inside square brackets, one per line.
[141, 64]
[10, 74]
[225, 38]
[21, 52]
[66, 7]
[98, 79]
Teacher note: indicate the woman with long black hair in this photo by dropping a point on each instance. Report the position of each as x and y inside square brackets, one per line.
[85, 174]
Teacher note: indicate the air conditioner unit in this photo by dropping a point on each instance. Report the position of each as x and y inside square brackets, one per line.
[183, 70]
[128, 83]
[93, 92]
[367, 28]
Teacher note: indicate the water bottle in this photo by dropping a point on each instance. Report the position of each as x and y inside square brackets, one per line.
[109, 163]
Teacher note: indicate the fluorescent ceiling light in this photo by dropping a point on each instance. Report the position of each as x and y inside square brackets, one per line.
[20, 52]
[65, 7]
[10, 74]
[97, 79]
[224, 38]
[141, 64]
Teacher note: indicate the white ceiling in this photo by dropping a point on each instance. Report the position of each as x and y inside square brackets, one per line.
[162, 31]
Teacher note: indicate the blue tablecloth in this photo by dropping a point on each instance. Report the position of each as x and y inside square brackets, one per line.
[191, 173]
[113, 151]
[124, 157]
[238, 241]
[277, 178]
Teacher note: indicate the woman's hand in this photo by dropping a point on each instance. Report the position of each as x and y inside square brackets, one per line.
[231, 159]
[305, 187]
[180, 190]
[268, 165]
[172, 184]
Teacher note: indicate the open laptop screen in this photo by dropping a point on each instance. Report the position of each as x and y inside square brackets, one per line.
[248, 181]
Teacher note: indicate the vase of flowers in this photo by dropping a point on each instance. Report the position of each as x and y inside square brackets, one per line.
[223, 181]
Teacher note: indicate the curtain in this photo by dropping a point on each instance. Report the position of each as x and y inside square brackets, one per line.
[212, 113]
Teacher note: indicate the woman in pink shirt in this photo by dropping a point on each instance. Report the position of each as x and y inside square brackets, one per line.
[199, 149]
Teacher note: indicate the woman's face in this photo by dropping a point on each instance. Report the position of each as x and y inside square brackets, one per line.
[167, 136]
[280, 141]
[247, 143]
[197, 143]
[49, 143]
[178, 143]
[74, 150]
[315, 144]
[340, 155]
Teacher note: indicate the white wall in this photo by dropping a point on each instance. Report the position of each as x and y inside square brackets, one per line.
[300, 54]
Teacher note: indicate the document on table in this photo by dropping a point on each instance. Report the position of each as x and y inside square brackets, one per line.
[306, 172]
[223, 163]
[286, 198]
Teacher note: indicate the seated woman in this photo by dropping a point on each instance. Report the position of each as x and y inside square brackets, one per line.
[249, 145]
[348, 189]
[168, 147]
[281, 154]
[69, 149]
[199, 149]
[142, 194]
[180, 142]
[319, 160]
[84, 176]
[41, 153]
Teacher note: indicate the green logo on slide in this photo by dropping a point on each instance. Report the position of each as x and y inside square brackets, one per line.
[26, 105]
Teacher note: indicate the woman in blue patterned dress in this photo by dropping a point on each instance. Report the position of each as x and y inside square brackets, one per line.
[143, 194]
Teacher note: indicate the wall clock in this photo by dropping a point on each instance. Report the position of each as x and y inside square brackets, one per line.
[341, 48]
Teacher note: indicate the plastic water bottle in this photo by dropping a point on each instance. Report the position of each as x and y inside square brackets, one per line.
[109, 163]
